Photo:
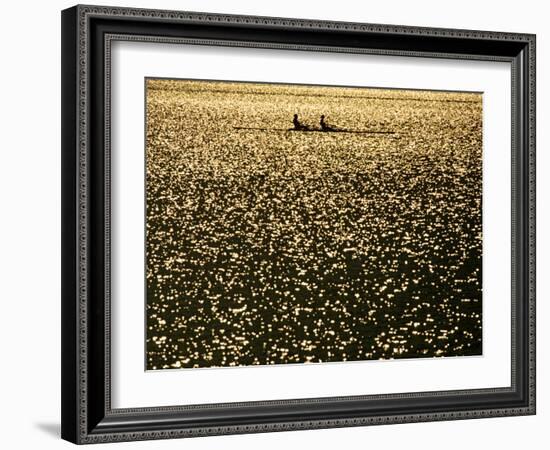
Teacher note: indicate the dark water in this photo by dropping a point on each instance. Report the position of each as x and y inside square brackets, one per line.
[272, 246]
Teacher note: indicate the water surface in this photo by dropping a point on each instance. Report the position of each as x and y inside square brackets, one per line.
[270, 246]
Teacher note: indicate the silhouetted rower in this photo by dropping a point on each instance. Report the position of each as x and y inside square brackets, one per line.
[297, 124]
[324, 125]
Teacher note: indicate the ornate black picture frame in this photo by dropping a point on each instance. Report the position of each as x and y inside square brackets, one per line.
[87, 414]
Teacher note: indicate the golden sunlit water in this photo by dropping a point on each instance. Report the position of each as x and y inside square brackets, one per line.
[268, 245]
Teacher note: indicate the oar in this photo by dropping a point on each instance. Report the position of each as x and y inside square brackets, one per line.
[261, 129]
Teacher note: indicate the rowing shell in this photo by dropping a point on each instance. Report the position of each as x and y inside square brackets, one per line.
[316, 131]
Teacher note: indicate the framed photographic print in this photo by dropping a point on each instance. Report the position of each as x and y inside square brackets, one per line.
[280, 224]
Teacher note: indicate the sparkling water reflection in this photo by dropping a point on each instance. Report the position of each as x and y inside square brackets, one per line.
[269, 246]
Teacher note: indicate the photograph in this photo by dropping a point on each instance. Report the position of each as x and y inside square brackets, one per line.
[296, 221]
[292, 224]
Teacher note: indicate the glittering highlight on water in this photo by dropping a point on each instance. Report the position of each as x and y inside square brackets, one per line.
[267, 245]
